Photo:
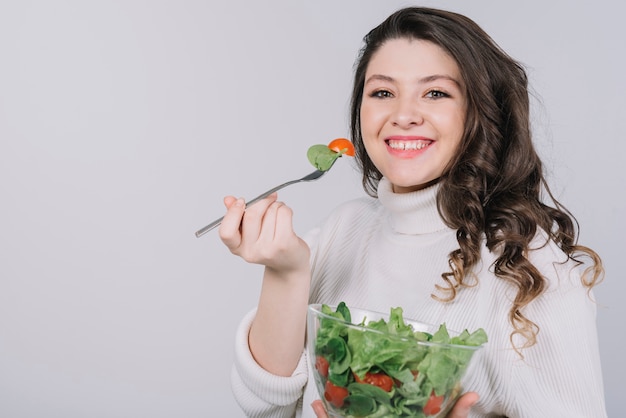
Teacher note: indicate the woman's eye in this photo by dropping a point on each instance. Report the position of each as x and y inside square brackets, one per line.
[381, 94]
[436, 94]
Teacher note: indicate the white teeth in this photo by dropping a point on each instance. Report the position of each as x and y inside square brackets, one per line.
[408, 145]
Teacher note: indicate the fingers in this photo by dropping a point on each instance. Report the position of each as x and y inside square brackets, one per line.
[229, 229]
[241, 224]
[463, 405]
[284, 225]
[263, 234]
[229, 200]
[260, 217]
[318, 408]
[277, 223]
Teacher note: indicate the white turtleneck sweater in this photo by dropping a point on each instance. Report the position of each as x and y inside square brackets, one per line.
[391, 251]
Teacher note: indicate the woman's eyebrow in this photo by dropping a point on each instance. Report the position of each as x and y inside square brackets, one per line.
[422, 80]
[379, 77]
[436, 77]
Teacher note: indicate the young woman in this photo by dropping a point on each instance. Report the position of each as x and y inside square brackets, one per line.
[454, 230]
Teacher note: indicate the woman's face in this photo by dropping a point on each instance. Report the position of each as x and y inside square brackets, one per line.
[412, 112]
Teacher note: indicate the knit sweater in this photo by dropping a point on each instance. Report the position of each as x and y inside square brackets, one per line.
[390, 252]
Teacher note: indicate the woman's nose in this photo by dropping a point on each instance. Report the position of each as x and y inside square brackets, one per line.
[407, 113]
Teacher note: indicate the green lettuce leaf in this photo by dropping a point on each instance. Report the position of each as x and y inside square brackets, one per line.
[322, 157]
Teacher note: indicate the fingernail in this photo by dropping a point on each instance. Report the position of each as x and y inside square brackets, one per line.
[239, 202]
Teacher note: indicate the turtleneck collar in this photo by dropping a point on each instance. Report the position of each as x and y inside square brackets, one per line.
[411, 213]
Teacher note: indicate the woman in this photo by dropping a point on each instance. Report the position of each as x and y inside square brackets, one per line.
[454, 230]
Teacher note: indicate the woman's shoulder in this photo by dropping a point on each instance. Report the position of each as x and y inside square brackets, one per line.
[554, 264]
[557, 267]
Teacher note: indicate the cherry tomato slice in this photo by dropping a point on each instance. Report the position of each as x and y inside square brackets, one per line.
[381, 380]
[335, 394]
[433, 406]
[342, 146]
[321, 365]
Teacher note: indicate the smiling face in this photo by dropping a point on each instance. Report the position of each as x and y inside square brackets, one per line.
[412, 112]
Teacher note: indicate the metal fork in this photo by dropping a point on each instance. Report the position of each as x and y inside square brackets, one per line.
[309, 177]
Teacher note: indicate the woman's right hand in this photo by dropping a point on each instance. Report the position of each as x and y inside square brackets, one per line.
[461, 407]
[263, 234]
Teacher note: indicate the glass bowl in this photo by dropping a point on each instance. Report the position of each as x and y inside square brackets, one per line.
[370, 364]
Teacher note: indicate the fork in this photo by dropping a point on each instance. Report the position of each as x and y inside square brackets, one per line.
[309, 177]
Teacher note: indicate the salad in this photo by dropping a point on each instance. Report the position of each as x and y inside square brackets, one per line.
[323, 156]
[387, 368]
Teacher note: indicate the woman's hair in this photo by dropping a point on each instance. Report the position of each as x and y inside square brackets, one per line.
[492, 187]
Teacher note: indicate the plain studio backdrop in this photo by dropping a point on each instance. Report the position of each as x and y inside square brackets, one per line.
[124, 123]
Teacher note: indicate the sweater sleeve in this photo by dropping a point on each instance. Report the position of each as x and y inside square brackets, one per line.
[561, 375]
[259, 393]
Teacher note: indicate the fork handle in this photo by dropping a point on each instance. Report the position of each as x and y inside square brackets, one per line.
[209, 227]
[269, 192]
[217, 222]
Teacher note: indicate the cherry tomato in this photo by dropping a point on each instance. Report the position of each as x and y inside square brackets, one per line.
[381, 380]
[321, 365]
[335, 394]
[433, 406]
[342, 146]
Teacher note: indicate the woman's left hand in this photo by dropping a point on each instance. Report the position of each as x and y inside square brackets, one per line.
[318, 408]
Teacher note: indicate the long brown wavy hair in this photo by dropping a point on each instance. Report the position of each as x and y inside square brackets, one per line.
[492, 189]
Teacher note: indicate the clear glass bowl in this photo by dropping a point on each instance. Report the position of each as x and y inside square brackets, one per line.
[386, 375]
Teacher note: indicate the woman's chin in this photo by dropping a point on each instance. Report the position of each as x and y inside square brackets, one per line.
[408, 187]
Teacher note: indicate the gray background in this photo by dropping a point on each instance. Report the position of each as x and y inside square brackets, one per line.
[124, 123]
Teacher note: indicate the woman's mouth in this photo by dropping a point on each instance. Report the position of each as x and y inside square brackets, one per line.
[408, 145]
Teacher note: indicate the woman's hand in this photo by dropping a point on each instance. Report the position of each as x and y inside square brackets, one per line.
[461, 407]
[263, 234]
[318, 408]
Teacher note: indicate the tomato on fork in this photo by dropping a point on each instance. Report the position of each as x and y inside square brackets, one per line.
[342, 146]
